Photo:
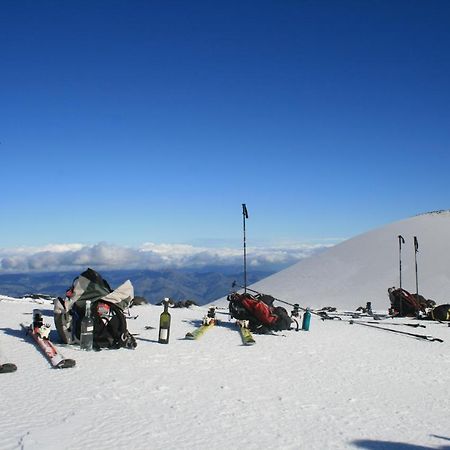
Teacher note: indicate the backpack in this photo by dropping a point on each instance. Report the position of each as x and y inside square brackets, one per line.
[441, 313]
[407, 304]
[107, 311]
[262, 316]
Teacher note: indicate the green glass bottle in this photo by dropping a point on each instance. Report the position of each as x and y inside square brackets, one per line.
[164, 324]
[87, 329]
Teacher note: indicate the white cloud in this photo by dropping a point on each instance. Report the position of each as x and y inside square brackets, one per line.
[58, 257]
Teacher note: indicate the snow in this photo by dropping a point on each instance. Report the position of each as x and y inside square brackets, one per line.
[337, 386]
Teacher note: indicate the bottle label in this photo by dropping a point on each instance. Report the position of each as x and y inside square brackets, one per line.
[163, 334]
[90, 329]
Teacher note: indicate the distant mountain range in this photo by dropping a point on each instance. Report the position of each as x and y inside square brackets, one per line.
[201, 286]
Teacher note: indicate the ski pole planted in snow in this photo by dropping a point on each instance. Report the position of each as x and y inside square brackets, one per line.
[416, 250]
[400, 242]
[245, 216]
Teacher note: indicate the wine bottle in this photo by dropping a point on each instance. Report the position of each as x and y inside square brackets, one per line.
[164, 324]
[87, 329]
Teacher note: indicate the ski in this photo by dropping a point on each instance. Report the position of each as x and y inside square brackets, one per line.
[199, 331]
[246, 334]
[7, 368]
[208, 322]
[41, 340]
[417, 336]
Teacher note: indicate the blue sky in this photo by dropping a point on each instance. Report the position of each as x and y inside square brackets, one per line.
[143, 121]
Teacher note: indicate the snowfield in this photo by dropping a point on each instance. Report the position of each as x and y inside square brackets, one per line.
[338, 386]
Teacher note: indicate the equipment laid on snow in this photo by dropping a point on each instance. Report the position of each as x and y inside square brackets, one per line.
[295, 315]
[404, 303]
[306, 320]
[39, 327]
[107, 309]
[246, 334]
[164, 324]
[209, 320]
[199, 331]
[259, 311]
[390, 324]
[417, 336]
[441, 313]
[45, 344]
[293, 305]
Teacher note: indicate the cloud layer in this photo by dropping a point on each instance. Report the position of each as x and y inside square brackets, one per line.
[60, 257]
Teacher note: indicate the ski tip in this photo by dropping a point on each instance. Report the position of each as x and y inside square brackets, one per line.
[7, 368]
[66, 364]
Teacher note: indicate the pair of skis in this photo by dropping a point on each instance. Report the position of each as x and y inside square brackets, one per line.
[39, 334]
[210, 320]
[48, 349]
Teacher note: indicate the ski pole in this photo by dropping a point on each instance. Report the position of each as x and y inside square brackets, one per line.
[245, 216]
[417, 336]
[416, 250]
[390, 324]
[400, 242]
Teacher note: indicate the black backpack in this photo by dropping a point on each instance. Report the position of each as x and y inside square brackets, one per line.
[441, 313]
[110, 325]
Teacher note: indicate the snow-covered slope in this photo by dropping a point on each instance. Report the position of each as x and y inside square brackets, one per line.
[337, 386]
[361, 269]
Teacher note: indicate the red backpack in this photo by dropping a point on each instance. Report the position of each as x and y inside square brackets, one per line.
[259, 311]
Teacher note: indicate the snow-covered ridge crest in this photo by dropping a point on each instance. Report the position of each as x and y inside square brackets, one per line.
[439, 211]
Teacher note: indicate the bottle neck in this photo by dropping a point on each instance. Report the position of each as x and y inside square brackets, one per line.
[88, 309]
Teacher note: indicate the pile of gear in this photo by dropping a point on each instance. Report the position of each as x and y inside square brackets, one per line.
[259, 311]
[405, 304]
[107, 308]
